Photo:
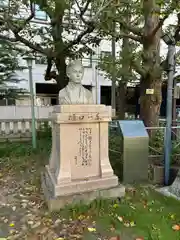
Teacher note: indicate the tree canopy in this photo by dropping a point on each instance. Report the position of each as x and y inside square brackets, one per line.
[145, 30]
[70, 32]
[9, 64]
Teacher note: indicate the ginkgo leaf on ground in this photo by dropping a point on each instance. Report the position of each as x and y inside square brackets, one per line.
[176, 227]
[91, 229]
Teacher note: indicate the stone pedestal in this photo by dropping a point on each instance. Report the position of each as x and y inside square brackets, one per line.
[79, 167]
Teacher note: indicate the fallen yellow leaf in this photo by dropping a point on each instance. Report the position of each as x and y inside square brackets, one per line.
[91, 229]
[132, 207]
[132, 224]
[115, 205]
[81, 217]
[120, 219]
[11, 224]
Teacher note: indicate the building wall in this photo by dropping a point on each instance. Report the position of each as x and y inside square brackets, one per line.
[40, 100]
[23, 101]
[90, 73]
[92, 76]
[24, 112]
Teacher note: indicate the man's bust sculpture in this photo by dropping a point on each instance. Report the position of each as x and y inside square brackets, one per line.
[74, 92]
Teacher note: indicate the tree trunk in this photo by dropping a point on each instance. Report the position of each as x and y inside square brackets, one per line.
[61, 79]
[150, 103]
[57, 33]
[122, 86]
[121, 100]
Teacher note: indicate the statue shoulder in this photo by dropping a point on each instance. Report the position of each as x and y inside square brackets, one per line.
[63, 97]
[89, 96]
[62, 92]
[88, 92]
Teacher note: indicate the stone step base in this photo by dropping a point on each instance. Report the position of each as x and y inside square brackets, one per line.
[78, 186]
[57, 203]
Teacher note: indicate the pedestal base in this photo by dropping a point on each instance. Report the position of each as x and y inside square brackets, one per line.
[78, 186]
[56, 203]
[79, 168]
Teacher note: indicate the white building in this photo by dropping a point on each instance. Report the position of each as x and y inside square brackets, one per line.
[92, 79]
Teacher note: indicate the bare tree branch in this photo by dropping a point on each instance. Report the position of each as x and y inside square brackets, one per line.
[88, 30]
[130, 36]
[159, 25]
[95, 18]
[171, 8]
[6, 20]
[27, 20]
[120, 35]
[82, 11]
[18, 38]
[36, 47]
[135, 30]
[91, 25]
[85, 8]
[48, 70]
[138, 68]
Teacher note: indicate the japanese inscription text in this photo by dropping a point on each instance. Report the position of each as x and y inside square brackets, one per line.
[75, 117]
[85, 146]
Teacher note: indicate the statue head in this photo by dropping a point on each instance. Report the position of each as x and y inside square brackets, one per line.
[75, 71]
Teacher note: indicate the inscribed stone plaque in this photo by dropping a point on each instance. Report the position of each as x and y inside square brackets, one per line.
[81, 144]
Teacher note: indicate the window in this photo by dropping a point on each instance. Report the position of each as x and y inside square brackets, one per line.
[39, 14]
[87, 61]
[40, 60]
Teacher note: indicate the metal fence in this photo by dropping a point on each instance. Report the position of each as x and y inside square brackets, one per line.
[156, 142]
[20, 129]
